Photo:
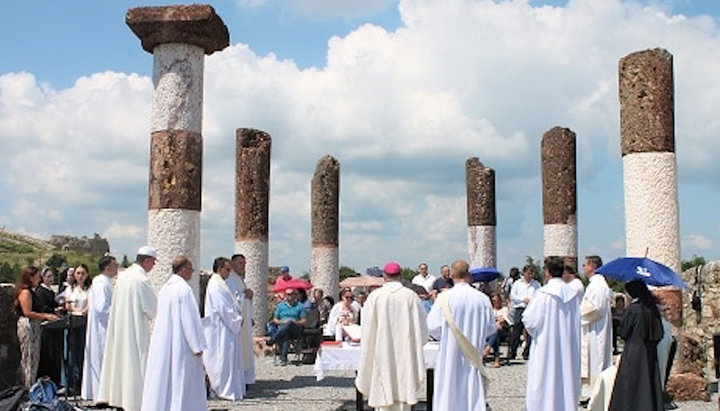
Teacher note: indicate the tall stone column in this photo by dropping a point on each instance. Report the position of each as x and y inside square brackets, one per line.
[559, 184]
[252, 206]
[647, 131]
[481, 220]
[325, 204]
[178, 37]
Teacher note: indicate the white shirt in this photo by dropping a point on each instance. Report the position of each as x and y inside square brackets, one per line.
[426, 281]
[522, 290]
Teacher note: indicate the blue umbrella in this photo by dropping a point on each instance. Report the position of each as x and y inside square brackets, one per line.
[628, 269]
[484, 274]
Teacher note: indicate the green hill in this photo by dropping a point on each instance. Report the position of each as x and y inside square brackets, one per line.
[18, 250]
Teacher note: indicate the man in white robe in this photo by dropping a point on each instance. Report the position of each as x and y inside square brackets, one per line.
[97, 322]
[596, 323]
[221, 326]
[552, 318]
[394, 331]
[472, 313]
[128, 336]
[175, 379]
[236, 283]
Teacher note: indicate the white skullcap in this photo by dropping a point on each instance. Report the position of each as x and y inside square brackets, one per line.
[148, 251]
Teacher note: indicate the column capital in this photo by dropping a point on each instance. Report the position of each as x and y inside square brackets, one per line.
[196, 24]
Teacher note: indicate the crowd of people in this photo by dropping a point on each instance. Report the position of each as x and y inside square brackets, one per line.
[115, 356]
[567, 331]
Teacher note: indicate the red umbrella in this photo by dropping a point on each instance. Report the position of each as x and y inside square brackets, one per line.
[282, 285]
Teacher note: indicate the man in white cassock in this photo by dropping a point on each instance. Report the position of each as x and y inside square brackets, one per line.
[394, 331]
[128, 336]
[221, 326]
[97, 322]
[552, 318]
[244, 295]
[596, 326]
[458, 381]
[174, 379]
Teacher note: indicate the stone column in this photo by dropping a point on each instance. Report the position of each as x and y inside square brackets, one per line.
[252, 205]
[325, 205]
[178, 37]
[559, 183]
[481, 220]
[647, 132]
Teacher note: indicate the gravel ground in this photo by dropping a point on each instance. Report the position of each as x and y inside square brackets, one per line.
[294, 387]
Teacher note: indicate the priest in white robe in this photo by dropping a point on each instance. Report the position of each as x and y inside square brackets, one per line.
[99, 300]
[128, 336]
[221, 326]
[236, 283]
[553, 320]
[394, 331]
[175, 379]
[596, 322]
[472, 313]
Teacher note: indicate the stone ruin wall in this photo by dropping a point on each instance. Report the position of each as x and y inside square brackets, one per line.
[698, 331]
[95, 245]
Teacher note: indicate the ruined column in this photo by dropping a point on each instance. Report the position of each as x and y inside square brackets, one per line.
[178, 37]
[252, 206]
[559, 183]
[325, 204]
[647, 131]
[481, 220]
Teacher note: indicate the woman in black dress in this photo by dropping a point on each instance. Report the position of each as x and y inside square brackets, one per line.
[637, 385]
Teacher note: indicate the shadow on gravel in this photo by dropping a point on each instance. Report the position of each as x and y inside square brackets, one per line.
[350, 406]
[272, 389]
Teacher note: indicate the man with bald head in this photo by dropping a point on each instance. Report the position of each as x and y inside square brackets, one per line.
[461, 318]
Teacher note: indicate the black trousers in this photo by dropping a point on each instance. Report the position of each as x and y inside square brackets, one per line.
[517, 331]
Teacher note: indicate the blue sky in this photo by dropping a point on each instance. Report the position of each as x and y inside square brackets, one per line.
[402, 93]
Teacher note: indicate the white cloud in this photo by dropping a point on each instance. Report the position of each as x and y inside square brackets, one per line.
[117, 231]
[697, 242]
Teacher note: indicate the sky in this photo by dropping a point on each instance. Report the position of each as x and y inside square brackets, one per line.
[402, 93]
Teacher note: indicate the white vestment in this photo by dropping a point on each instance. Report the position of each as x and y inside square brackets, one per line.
[128, 337]
[596, 321]
[394, 331]
[97, 322]
[221, 325]
[174, 378]
[473, 315]
[237, 285]
[552, 318]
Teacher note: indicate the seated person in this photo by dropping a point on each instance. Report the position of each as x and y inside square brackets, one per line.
[290, 317]
[342, 313]
[502, 328]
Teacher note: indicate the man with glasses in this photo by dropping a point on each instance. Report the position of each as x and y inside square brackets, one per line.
[290, 317]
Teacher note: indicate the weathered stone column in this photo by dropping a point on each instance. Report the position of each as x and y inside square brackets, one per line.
[252, 207]
[647, 129]
[325, 205]
[178, 37]
[481, 220]
[559, 183]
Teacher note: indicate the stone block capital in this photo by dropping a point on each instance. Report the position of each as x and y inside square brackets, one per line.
[196, 24]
